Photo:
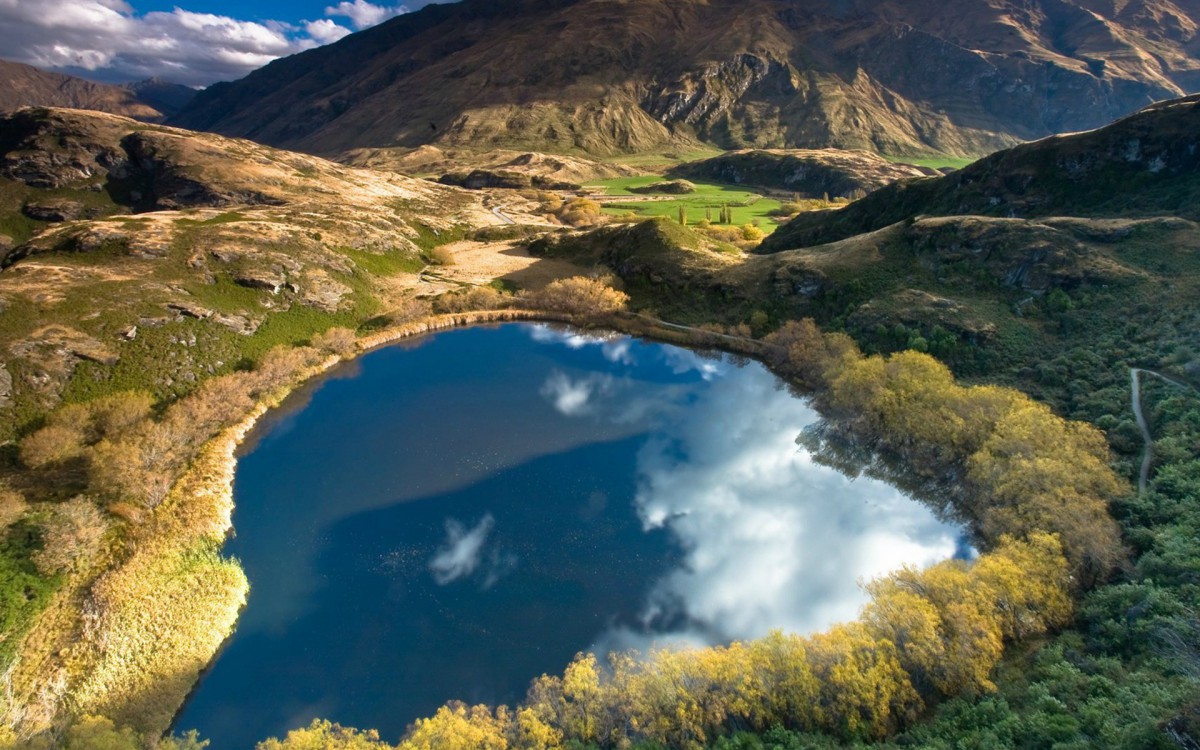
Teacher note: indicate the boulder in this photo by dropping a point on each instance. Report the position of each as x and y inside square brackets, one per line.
[53, 209]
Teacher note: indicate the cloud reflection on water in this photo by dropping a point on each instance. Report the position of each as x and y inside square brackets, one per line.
[772, 539]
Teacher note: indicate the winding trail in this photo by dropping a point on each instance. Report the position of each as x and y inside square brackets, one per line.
[501, 215]
[693, 329]
[1135, 383]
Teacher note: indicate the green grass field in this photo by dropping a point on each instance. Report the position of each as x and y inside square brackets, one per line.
[748, 207]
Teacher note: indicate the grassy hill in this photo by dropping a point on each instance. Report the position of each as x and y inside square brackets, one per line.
[1143, 165]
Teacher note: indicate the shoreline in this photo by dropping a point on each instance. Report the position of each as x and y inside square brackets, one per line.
[224, 448]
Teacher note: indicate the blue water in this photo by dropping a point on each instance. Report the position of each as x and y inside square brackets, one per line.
[451, 518]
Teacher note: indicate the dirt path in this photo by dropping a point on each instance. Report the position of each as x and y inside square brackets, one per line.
[1135, 383]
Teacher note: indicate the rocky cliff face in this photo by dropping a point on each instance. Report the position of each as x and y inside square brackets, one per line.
[608, 76]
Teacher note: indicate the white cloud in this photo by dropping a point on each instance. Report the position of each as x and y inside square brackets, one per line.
[573, 398]
[461, 554]
[364, 14]
[771, 538]
[325, 31]
[110, 40]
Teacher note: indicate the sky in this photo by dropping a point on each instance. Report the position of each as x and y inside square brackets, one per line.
[193, 42]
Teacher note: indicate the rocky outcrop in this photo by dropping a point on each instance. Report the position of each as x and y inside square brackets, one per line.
[480, 179]
[670, 187]
[53, 210]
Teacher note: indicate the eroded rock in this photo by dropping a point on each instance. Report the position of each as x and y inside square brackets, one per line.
[53, 210]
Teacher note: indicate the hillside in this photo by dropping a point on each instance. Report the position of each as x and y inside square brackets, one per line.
[977, 266]
[174, 227]
[612, 76]
[810, 173]
[27, 86]
[1143, 165]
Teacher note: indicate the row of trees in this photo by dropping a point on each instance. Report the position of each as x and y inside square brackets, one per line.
[1015, 467]
[925, 635]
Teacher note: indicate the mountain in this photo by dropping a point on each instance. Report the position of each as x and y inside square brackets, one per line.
[27, 86]
[902, 77]
[164, 96]
[1145, 164]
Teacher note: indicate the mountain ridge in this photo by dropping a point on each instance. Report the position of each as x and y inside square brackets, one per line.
[152, 100]
[612, 76]
[1143, 165]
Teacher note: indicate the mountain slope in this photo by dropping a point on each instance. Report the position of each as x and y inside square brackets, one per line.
[1145, 164]
[27, 86]
[607, 76]
[811, 173]
[164, 96]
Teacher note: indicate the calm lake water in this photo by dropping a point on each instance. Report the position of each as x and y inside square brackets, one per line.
[451, 518]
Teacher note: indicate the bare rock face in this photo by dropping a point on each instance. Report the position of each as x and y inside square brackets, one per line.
[480, 179]
[190, 309]
[268, 279]
[922, 309]
[319, 290]
[53, 149]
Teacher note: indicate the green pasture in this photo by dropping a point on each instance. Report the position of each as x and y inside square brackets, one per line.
[747, 206]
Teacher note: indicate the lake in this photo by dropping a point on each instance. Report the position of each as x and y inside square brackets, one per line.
[451, 517]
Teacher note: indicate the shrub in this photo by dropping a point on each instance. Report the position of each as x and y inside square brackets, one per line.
[53, 444]
[70, 537]
[579, 295]
[12, 506]
[475, 298]
[440, 255]
[580, 212]
[339, 341]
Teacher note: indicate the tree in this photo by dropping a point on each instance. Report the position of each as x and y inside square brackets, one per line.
[456, 727]
[323, 735]
[751, 233]
[580, 295]
[864, 691]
